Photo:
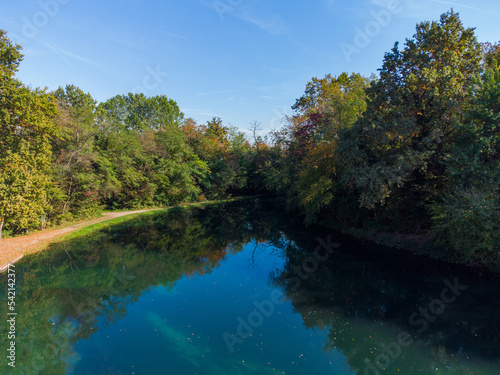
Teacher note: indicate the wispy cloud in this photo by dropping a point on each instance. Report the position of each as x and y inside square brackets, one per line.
[272, 23]
[458, 5]
[269, 22]
[425, 10]
[282, 87]
[35, 52]
[80, 58]
[277, 70]
[219, 92]
[160, 31]
[67, 56]
[58, 53]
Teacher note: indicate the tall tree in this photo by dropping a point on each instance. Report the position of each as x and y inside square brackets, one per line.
[466, 220]
[307, 168]
[75, 155]
[145, 153]
[140, 113]
[26, 125]
[328, 105]
[398, 149]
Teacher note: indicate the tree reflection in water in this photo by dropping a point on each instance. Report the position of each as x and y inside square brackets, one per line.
[362, 295]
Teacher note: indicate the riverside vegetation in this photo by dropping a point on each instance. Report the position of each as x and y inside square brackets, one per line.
[413, 150]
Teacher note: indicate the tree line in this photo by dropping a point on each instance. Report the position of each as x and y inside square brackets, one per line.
[414, 149]
[63, 156]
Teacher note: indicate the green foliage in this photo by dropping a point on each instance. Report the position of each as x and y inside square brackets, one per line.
[412, 115]
[340, 99]
[180, 171]
[303, 165]
[10, 58]
[75, 155]
[64, 157]
[418, 148]
[467, 224]
[225, 151]
[140, 113]
[467, 220]
[24, 187]
[25, 129]
[145, 155]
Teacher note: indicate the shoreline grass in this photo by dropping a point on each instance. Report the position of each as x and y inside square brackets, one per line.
[94, 227]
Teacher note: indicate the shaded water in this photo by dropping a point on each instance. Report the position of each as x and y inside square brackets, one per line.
[242, 289]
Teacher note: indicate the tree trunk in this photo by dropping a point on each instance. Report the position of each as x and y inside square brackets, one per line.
[1, 226]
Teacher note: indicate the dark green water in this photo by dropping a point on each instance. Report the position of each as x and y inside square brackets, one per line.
[242, 289]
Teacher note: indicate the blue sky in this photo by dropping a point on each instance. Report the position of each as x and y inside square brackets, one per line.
[242, 60]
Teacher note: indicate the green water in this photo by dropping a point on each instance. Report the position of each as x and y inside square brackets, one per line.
[242, 289]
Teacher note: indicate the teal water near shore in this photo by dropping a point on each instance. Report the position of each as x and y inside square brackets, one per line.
[241, 288]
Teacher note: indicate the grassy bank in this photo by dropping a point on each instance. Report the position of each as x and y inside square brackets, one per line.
[13, 249]
[151, 211]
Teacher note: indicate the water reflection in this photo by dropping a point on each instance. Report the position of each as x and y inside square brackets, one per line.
[355, 302]
[394, 314]
[67, 293]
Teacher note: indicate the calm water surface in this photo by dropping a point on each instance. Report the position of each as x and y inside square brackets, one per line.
[242, 289]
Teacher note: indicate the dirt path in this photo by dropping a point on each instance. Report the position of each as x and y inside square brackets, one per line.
[13, 249]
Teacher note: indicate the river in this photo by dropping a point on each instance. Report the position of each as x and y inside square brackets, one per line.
[243, 288]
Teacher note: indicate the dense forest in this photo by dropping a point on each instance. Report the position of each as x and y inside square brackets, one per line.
[414, 149]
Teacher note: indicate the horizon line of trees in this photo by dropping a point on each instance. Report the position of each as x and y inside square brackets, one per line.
[63, 156]
[415, 149]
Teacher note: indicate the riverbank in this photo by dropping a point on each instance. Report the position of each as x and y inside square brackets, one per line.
[420, 244]
[15, 248]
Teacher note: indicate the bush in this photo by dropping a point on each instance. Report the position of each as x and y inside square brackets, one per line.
[467, 224]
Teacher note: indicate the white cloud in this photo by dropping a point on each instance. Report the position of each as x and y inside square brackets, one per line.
[458, 5]
[272, 23]
[58, 53]
[80, 58]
